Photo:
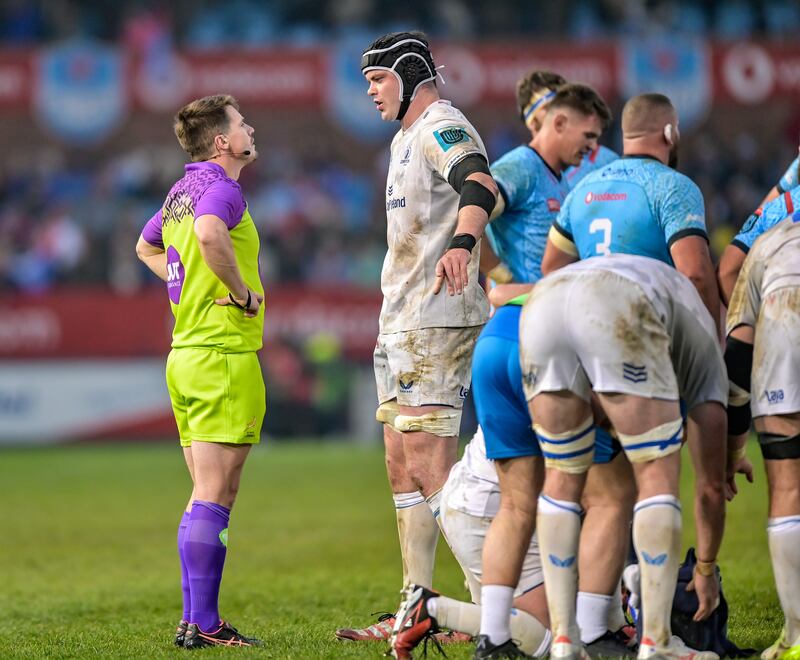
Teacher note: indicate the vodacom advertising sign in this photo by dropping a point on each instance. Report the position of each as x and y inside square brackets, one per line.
[750, 73]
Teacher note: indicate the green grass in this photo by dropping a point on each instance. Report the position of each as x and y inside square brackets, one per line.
[88, 566]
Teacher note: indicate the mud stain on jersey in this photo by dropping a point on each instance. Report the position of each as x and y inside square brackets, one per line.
[405, 247]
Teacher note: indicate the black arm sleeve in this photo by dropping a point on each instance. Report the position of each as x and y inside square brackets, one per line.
[466, 166]
[739, 362]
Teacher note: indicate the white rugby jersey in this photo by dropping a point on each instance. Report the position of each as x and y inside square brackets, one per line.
[472, 486]
[772, 263]
[421, 213]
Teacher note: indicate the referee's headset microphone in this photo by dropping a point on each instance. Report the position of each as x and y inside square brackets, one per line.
[246, 152]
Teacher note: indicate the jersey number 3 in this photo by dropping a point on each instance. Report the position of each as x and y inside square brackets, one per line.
[603, 225]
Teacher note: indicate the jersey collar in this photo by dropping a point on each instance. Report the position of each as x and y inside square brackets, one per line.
[205, 165]
[642, 156]
[552, 171]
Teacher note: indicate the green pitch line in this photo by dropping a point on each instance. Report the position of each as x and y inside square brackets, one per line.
[88, 565]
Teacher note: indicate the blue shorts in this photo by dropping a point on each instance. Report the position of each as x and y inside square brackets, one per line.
[500, 402]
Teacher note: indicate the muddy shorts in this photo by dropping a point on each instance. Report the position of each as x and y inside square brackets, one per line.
[571, 339]
[775, 389]
[430, 366]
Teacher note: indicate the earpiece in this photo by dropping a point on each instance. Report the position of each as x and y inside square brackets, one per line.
[668, 135]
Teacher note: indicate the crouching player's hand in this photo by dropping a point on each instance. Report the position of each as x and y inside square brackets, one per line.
[738, 463]
[707, 589]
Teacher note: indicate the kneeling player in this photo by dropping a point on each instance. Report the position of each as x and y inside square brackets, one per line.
[470, 500]
[764, 309]
[636, 332]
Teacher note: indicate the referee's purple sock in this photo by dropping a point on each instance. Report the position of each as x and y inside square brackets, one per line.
[187, 603]
[204, 549]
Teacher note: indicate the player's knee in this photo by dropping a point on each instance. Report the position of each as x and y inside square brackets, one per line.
[444, 422]
[571, 451]
[658, 442]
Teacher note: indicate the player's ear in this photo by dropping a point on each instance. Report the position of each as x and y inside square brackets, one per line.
[560, 122]
[671, 134]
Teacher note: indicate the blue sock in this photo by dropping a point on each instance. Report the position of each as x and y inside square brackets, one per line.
[204, 549]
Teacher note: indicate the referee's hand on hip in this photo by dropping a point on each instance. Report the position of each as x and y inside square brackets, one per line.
[249, 304]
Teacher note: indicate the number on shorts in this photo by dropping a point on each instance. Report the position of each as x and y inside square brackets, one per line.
[603, 225]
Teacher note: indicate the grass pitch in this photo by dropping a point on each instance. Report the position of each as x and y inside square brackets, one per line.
[88, 565]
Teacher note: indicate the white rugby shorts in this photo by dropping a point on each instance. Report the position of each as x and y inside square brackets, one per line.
[775, 387]
[430, 366]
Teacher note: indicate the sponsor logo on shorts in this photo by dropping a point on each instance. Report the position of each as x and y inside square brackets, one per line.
[529, 378]
[634, 373]
[405, 385]
[773, 396]
[553, 204]
[463, 392]
[447, 137]
[392, 204]
[605, 197]
[406, 156]
[249, 430]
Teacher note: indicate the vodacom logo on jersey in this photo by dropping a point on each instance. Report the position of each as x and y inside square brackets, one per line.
[605, 197]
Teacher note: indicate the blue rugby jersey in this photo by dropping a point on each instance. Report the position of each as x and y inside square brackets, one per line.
[634, 205]
[592, 161]
[766, 217]
[533, 194]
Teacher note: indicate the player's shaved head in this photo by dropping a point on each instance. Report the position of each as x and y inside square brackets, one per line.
[646, 114]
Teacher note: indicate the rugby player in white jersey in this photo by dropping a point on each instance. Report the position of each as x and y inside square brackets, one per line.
[649, 344]
[763, 357]
[439, 195]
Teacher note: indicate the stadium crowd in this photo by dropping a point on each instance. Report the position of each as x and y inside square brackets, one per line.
[251, 23]
[68, 220]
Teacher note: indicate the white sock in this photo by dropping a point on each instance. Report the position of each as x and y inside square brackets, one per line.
[434, 501]
[456, 614]
[526, 630]
[616, 615]
[418, 534]
[784, 549]
[558, 528]
[529, 633]
[657, 538]
[592, 615]
[496, 612]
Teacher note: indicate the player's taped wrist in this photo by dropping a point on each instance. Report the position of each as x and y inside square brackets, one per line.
[738, 454]
[246, 306]
[705, 568]
[500, 274]
[464, 241]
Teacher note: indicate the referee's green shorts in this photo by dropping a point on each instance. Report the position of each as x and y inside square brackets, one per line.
[216, 397]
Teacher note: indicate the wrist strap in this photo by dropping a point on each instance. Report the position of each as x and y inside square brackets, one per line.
[464, 241]
[705, 568]
[246, 306]
[738, 454]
